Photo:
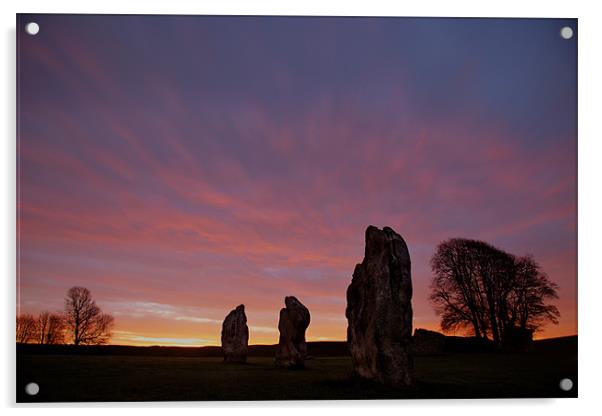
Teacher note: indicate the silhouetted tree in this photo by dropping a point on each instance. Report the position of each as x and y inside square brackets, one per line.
[455, 288]
[50, 328]
[85, 321]
[495, 270]
[26, 328]
[530, 291]
[479, 287]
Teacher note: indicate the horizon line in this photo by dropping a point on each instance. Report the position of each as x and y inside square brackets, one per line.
[250, 345]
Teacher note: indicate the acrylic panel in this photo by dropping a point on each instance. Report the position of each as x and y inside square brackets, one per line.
[295, 208]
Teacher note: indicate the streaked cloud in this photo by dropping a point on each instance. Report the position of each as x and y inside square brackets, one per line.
[127, 337]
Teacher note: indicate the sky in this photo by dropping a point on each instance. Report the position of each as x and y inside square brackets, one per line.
[178, 166]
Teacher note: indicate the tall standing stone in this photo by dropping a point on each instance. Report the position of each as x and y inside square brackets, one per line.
[294, 320]
[379, 311]
[235, 336]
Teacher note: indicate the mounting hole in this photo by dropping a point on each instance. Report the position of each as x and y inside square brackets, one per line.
[32, 389]
[566, 32]
[32, 28]
[566, 384]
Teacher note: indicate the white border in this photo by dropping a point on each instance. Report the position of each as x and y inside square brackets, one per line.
[590, 199]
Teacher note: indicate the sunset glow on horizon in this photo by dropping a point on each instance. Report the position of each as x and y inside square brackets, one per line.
[179, 166]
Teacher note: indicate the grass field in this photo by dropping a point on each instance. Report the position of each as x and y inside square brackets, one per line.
[148, 378]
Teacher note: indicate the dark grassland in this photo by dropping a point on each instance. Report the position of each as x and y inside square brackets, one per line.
[139, 374]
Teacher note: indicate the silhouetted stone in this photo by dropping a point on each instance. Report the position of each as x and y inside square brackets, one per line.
[294, 320]
[425, 342]
[235, 336]
[379, 311]
[515, 339]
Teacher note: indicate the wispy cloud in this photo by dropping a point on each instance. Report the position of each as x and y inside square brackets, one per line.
[141, 309]
[128, 337]
[263, 329]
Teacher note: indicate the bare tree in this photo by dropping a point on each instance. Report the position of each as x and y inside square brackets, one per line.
[455, 288]
[50, 328]
[495, 271]
[85, 321]
[481, 288]
[531, 290]
[42, 324]
[26, 328]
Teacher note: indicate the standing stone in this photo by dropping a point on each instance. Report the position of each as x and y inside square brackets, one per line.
[294, 320]
[235, 336]
[379, 311]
